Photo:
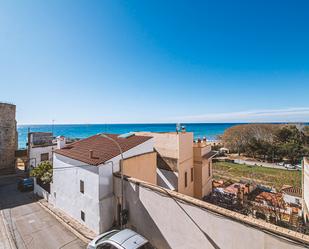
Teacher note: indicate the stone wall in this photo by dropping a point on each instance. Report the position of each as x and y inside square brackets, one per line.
[8, 138]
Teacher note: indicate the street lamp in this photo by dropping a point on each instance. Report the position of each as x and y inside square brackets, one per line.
[122, 178]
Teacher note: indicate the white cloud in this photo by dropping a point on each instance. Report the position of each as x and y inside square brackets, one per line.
[297, 114]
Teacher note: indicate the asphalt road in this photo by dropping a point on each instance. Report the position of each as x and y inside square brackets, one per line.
[29, 225]
[261, 164]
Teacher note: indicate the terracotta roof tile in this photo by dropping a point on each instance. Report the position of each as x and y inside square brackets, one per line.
[102, 148]
[233, 188]
[294, 191]
[272, 199]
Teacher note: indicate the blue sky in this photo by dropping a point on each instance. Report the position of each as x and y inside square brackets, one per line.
[155, 61]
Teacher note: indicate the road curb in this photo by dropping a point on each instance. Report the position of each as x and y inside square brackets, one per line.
[76, 232]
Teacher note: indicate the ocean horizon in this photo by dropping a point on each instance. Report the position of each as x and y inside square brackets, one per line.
[209, 130]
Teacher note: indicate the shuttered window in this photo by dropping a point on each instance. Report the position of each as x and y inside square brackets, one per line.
[81, 186]
[82, 215]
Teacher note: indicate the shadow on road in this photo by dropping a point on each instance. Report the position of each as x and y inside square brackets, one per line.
[10, 196]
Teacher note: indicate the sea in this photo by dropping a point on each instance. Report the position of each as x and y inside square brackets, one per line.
[209, 130]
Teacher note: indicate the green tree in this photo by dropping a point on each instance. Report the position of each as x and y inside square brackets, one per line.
[44, 172]
[268, 141]
[290, 142]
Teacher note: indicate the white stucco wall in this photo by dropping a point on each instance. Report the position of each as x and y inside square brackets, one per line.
[67, 174]
[38, 190]
[35, 154]
[167, 223]
[305, 177]
[167, 179]
[292, 199]
[106, 188]
[98, 200]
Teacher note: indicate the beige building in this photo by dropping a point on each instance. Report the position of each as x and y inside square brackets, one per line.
[202, 168]
[143, 167]
[183, 165]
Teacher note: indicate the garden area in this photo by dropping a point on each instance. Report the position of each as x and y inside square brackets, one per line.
[261, 175]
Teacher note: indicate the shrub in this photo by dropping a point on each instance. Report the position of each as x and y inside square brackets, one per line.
[44, 172]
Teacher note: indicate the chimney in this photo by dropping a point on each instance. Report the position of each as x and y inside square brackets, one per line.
[183, 129]
[204, 139]
[60, 142]
[199, 140]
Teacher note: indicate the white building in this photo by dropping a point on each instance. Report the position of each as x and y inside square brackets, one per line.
[292, 195]
[83, 177]
[40, 147]
[305, 181]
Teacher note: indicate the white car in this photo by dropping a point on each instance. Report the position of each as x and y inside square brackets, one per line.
[289, 166]
[116, 239]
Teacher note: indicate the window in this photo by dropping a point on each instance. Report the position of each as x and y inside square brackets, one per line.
[44, 157]
[81, 186]
[192, 174]
[186, 179]
[82, 215]
[209, 169]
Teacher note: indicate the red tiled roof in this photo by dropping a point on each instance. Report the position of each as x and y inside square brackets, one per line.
[294, 191]
[272, 199]
[103, 148]
[233, 188]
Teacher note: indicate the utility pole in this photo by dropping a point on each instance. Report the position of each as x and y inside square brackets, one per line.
[27, 165]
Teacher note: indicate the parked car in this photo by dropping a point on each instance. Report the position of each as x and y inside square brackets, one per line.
[281, 164]
[120, 239]
[289, 166]
[25, 184]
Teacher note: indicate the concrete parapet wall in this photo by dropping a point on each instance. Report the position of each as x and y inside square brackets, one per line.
[173, 220]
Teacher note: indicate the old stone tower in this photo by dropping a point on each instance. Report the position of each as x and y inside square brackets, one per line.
[8, 138]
